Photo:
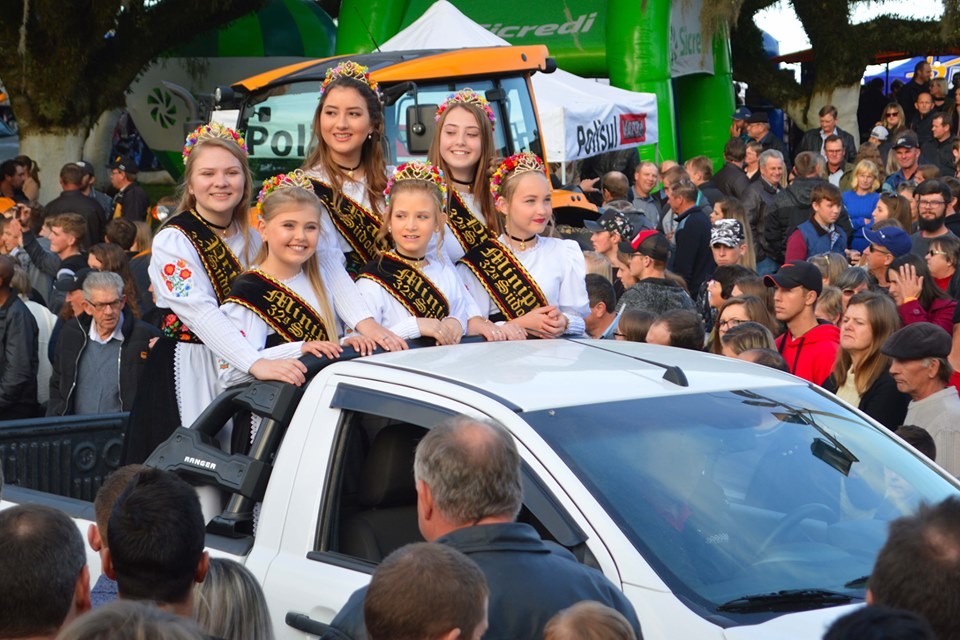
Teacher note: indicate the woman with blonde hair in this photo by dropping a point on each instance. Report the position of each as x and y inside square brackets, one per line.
[131, 620]
[831, 265]
[229, 603]
[861, 375]
[861, 200]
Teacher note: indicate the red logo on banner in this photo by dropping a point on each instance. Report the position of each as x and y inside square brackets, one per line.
[633, 128]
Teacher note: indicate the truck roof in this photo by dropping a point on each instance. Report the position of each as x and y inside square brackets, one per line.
[541, 374]
[426, 64]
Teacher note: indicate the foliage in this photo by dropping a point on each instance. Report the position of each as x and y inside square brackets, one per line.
[66, 62]
[841, 50]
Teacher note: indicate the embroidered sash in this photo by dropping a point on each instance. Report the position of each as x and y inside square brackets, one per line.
[358, 225]
[468, 231]
[416, 292]
[506, 280]
[282, 308]
[218, 262]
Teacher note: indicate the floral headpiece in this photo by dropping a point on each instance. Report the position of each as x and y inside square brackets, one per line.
[415, 170]
[467, 96]
[516, 164]
[295, 179]
[350, 69]
[209, 131]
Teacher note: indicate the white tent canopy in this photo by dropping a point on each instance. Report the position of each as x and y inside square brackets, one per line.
[580, 117]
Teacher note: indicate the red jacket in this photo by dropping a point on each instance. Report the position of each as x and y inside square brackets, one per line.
[811, 356]
[940, 313]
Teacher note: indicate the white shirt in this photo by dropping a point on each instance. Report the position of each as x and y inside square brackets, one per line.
[939, 413]
[558, 268]
[394, 316]
[116, 335]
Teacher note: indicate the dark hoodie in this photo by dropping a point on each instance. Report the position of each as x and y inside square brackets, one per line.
[656, 295]
[811, 356]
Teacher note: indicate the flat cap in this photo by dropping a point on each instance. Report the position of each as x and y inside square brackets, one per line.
[917, 341]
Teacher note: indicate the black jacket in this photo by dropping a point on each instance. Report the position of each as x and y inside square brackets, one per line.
[66, 362]
[731, 181]
[882, 401]
[657, 295]
[757, 203]
[693, 259]
[18, 360]
[90, 209]
[133, 203]
[529, 580]
[812, 141]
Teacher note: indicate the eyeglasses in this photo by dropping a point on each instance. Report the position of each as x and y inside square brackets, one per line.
[892, 114]
[834, 150]
[929, 204]
[875, 249]
[732, 322]
[849, 292]
[100, 306]
[934, 252]
[617, 334]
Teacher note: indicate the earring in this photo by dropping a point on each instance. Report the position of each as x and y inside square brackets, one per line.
[370, 136]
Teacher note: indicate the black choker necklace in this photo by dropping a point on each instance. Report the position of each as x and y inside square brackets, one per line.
[349, 170]
[523, 241]
[466, 184]
[417, 262]
[222, 228]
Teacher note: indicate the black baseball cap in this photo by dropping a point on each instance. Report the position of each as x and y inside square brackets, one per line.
[906, 140]
[917, 341]
[71, 280]
[798, 273]
[650, 243]
[85, 167]
[125, 164]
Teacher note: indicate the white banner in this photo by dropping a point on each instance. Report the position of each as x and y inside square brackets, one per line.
[690, 51]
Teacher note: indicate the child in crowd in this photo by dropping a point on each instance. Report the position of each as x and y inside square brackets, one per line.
[819, 234]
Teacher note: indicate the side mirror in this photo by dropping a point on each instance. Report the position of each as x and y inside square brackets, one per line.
[420, 126]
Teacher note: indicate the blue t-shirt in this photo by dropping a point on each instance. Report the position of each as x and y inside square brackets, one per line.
[860, 209]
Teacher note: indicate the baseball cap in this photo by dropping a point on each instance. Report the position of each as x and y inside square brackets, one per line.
[917, 341]
[727, 232]
[880, 133]
[893, 239]
[759, 117]
[650, 243]
[85, 167]
[125, 164]
[906, 140]
[71, 280]
[611, 220]
[6, 204]
[742, 113]
[798, 273]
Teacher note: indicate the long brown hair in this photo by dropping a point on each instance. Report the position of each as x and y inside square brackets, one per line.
[481, 178]
[371, 153]
[884, 320]
[293, 198]
[188, 201]
[755, 309]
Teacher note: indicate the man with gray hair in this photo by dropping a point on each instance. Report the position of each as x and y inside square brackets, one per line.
[469, 493]
[100, 354]
[758, 200]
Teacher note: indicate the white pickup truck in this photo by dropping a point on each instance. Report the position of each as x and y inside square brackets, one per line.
[728, 500]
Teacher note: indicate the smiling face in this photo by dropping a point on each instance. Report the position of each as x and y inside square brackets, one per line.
[461, 143]
[646, 177]
[216, 180]
[772, 170]
[529, 209]
[292, 233]
[413, 218]
[345, 124]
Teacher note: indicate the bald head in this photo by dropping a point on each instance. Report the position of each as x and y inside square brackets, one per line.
[472, 469]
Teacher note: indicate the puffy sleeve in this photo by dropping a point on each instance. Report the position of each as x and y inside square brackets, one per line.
[475, 291]
[181, 284]
[387, 311]
[572, 299]
[255, 331]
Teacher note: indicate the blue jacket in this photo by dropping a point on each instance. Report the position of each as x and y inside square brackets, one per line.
[819, 242]
[529, 580]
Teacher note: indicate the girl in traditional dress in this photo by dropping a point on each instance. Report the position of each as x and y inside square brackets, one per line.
[413, 293]
[534, 283]
[463, 148]
[196, 256]
[282, 306]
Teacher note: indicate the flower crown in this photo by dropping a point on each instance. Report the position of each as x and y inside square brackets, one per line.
[210, 131]
[516, 164]
[296, 179]
[350, 69]
[423, 171]
[467, 96]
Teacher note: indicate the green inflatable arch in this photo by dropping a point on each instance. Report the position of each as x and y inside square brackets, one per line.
[633, 50]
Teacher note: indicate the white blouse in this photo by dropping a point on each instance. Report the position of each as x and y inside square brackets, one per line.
[558, 268]
[394, 316]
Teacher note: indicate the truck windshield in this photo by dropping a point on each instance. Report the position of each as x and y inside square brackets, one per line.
[278, 122]
[735, 496]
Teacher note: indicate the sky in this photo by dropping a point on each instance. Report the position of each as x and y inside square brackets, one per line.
[781, 22]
